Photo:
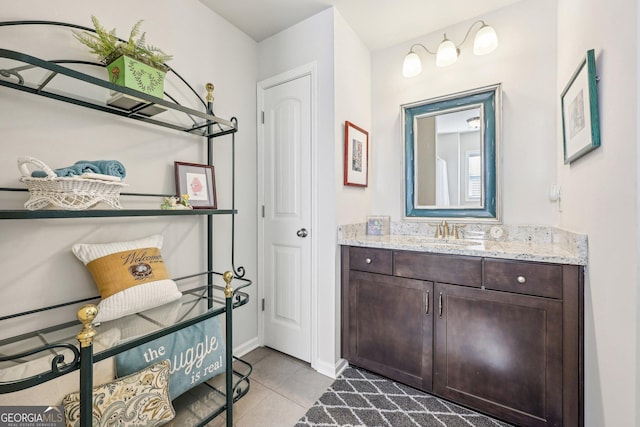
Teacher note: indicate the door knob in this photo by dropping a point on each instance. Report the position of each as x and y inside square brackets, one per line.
[302, 232]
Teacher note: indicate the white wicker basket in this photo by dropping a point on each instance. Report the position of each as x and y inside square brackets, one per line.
[70, 193]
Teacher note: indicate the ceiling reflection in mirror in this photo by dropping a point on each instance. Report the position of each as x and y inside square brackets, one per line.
[450, 156]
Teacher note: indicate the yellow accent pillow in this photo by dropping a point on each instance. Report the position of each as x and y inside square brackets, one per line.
[139, 399]
[122, 270]
[131, 276]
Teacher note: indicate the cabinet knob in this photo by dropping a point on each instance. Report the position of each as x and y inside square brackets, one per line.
[368, 260]
[521, 279]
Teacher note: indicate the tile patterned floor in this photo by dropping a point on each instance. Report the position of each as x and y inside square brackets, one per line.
[282, 390]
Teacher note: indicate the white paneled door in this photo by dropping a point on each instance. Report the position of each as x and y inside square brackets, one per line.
[286, 245]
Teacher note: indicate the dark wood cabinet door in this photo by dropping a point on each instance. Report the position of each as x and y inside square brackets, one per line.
[391, 327]
[500, 353]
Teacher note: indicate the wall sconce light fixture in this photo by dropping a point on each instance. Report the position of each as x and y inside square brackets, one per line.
[486, 41]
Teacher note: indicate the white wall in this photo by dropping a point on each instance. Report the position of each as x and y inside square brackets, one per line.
[637, 386]
[353, 100]
[36, 254]
[600, 198]
[525, 65]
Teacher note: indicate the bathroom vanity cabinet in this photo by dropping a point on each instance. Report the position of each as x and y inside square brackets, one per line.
[501, 336]
[390, 331]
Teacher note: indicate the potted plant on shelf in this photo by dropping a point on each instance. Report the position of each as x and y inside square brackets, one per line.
[132, 63]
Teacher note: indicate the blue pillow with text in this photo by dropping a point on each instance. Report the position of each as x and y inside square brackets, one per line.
[196, 354]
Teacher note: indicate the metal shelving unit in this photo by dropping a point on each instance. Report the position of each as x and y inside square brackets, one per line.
[98, 213]
[33, 75]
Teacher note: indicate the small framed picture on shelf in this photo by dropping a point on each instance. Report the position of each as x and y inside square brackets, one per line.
[198, 182]
[580, 118]
[356, 155]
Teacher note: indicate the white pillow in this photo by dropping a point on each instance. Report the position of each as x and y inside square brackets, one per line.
[131, 276]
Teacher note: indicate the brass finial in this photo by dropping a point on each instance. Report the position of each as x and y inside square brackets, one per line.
[86, 314]
[228, 277]
[209, 87]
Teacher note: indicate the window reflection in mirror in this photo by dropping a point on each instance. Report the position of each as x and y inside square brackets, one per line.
[450, 156]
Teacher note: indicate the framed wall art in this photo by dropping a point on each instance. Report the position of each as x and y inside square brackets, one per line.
[356, 155]
[580, 118]
[198, 182]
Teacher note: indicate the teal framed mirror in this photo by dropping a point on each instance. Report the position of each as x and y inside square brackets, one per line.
[451, 153]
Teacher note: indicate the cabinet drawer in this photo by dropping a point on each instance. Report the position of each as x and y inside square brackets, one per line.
[530, 278]
[459, 270]
[371, 260]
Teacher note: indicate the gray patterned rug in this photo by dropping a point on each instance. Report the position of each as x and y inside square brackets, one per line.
[359, 398]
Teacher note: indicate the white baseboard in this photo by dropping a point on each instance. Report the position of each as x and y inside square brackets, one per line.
[246, 347]
[341, 366]
[331, 370]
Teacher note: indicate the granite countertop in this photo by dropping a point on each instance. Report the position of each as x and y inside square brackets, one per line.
[526, 243]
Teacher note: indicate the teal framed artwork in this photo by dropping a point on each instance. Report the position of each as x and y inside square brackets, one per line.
[580, 117]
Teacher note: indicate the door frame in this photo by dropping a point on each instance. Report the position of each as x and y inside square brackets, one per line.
[309, 69]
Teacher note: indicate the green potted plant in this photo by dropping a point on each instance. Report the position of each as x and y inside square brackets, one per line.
[132, 63]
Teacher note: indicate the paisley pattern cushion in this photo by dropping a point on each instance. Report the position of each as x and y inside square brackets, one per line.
[139, 399]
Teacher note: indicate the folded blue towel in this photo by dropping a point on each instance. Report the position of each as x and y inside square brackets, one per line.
[86, 167]
[70, 171]
[105, 167]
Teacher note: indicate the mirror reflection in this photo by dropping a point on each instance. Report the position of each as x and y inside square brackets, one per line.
[450, 156]
[448, 166]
